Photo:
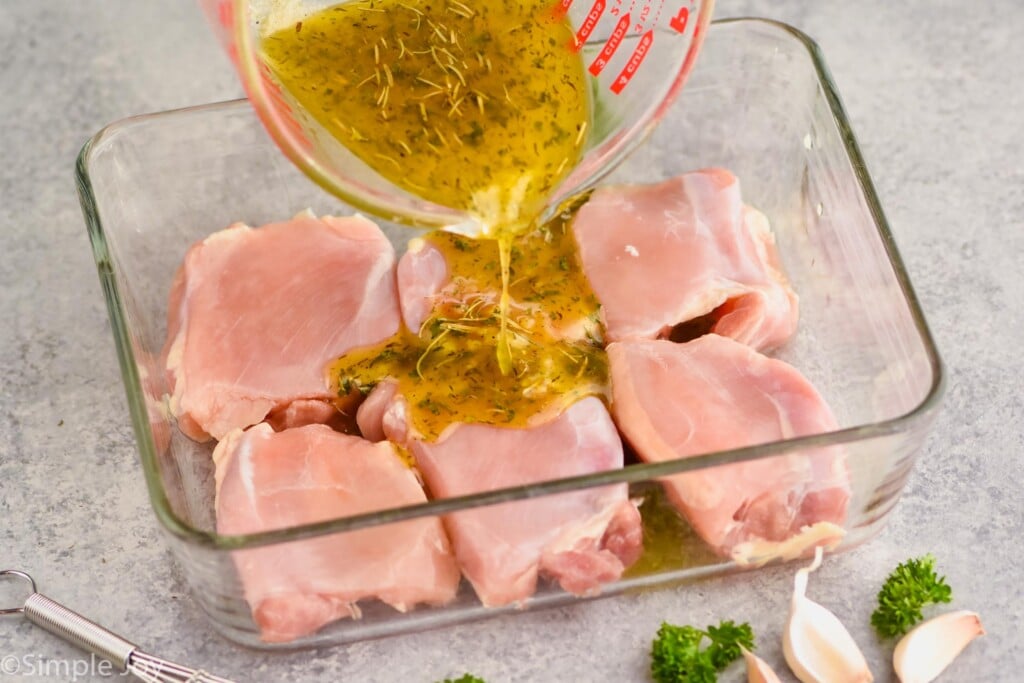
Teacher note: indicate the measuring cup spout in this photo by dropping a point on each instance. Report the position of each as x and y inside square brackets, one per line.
[430, 91]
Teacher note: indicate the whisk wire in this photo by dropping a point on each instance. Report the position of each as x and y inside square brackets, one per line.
[91, 637]
[152, 669]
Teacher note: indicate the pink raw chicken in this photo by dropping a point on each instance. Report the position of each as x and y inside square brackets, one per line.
[268, 480]
[304, 412]
[582, 539]
[422, 275]
[255, 316]
[712, 394]
[660, 255]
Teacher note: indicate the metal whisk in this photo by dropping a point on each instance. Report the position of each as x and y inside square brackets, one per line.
[93, 638]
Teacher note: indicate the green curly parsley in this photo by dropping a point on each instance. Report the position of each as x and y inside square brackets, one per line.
[911, 586]
[676, 656]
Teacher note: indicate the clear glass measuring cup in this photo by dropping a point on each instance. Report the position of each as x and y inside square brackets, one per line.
[636, 55]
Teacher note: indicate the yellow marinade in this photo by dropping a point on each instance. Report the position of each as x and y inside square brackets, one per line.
[447, 370]
[481, 106]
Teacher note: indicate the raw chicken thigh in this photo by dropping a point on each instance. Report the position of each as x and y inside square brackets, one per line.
[255, 316]
[581, 539]
[422, 276]
[713, 394]
[660, 255]
[268, 480]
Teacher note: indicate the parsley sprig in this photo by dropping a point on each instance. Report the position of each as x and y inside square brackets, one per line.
[677, 657]
[911, 586]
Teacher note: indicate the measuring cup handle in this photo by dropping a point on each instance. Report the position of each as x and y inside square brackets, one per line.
[77, 630]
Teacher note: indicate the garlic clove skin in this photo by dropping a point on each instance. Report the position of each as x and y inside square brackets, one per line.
[926, 651]
[817, 646]
[758, 670]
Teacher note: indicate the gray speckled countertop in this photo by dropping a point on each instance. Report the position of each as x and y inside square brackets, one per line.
[936, 98]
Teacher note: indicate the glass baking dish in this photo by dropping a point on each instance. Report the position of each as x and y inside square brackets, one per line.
[760, 103]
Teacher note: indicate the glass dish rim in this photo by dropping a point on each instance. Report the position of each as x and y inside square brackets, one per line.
[181, 529]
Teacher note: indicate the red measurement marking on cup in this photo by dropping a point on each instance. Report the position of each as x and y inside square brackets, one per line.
[679, 21]
[657, 14]
[618, 33]
[226, 15]
[635, 60]
[645, 11]
[588, 26]
[561, 8]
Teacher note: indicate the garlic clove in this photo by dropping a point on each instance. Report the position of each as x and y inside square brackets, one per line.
[819, 649]
[758, 670]
[925, 652]
[817, 646]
